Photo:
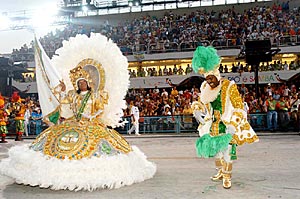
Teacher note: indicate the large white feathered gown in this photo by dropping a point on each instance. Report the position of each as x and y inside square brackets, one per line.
[81, 154]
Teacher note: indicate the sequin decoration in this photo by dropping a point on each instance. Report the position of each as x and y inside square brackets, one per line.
[72, 141]
[235, 97]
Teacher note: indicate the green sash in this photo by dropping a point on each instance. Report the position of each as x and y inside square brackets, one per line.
[82, 106]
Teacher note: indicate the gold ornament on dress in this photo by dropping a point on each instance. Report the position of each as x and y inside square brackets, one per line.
[69, 141]
[225, 84]
[215, 124]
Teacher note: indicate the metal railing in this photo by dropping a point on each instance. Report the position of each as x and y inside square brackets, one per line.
[182, 124]
[164, 124]
[159, 124]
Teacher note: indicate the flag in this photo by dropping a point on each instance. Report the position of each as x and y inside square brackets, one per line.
[47, 79]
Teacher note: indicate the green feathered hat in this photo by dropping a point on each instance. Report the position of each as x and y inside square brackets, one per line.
[205, 60]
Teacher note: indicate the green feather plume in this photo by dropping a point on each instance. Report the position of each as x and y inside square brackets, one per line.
[205, 58]
[207, 146]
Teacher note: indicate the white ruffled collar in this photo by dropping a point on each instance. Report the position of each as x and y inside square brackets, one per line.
[209, 94]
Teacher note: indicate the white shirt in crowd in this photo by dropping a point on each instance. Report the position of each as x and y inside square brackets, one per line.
[269, 91]
[27, 115]
[156, 90]
[295, 105]
[164, 93]
[135, 113]
[286, 92]
[246, 107]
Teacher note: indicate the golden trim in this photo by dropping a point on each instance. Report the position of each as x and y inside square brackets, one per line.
[227, 167]
[245, 126]
[225, 84]
[219, 162]
[247, 140]
[80, 71]
[215, 124]
[235, 97]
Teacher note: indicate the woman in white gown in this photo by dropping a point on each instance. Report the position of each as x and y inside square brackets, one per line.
[82, 152]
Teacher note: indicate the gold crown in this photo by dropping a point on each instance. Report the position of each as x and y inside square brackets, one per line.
[79, 73]
[89, 69]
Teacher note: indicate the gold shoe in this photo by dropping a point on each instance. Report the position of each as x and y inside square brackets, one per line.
[219, 176]
[227, 168]
[227, 181]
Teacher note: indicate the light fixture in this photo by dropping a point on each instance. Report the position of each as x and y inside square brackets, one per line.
[130, 3]
[85, 8]
[136, 3]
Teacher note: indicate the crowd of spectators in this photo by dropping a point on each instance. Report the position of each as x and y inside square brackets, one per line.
[187, 31]
[27, 78]
[265, 66]
[234, 68]
[151, 71]
[160, 102]
[151, 34]
[25, 53]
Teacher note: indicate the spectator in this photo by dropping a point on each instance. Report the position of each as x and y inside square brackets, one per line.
[188, 69]
[187, 116]
[295, 112]
[180, 70]
[37, 119]
[156, 90]
[271, 104]
[27, 117]
[135, 116]
[284, 117]
[174, 92]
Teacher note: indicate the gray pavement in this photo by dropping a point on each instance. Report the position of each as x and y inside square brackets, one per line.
[267, 169]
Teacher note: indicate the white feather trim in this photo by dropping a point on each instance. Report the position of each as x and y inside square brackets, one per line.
[209, 94]
[33, 168]
[205, 128]
[102, 49]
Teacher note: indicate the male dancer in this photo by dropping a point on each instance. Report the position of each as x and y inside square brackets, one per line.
[225, 124]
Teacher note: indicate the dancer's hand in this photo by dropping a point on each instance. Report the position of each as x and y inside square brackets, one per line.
[62, 85]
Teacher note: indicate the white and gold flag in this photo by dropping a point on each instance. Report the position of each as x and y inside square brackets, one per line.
[47, 79]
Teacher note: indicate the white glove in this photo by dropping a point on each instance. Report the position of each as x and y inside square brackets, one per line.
[199, 116]
[230, 129]
[96, 114]
[86, 116]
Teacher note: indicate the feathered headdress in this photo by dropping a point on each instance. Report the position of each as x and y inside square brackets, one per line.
[95, 52]
[15, 97]
[2, 103]
[206, 61]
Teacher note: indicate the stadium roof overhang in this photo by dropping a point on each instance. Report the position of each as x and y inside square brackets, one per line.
[100, 4]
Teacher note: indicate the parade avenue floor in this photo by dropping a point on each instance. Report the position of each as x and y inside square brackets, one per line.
[266, 169]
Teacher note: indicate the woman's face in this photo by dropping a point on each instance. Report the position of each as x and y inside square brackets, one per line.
[82, 85]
